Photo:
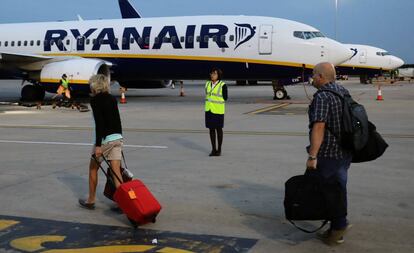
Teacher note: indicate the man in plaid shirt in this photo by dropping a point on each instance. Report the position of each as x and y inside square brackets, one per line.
[326, 156]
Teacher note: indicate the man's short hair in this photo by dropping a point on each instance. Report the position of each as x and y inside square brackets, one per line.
[99, 84]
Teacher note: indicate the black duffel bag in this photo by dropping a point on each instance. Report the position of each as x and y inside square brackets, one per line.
[310, 197]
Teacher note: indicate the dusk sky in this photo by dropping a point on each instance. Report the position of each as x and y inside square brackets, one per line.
[382, 23]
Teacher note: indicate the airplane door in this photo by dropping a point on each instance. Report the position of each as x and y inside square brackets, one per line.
[363, 56]
[265, 39]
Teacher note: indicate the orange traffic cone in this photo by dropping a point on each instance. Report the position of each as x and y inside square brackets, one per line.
[379, 95]
[123, 99]
[182, 89]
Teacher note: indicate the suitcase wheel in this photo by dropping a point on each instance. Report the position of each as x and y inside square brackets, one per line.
[133, 223]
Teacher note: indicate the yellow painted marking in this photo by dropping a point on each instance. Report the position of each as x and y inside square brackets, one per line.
[46, 80]
[105, 249]
[34, 243]
[7, 223]
[362, 66]
[184, 57]
[172, 250]
[269, 108]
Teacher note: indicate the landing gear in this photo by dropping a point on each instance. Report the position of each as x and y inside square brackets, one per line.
[240, 82]
[31, 93]
[279, 91]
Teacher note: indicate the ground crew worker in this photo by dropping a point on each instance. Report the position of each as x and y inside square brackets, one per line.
[63, 89]
[216, 95]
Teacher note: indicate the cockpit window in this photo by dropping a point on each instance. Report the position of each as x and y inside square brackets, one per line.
[299, 35]
[306, 35]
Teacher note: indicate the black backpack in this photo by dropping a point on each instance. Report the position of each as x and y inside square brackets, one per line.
[354, 125]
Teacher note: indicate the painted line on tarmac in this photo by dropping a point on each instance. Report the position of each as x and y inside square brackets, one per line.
[19, 234]
[269, 108]
[75, 144]
[188, 131]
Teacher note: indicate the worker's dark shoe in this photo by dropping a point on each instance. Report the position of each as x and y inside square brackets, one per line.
[213, 153]
[86, 205]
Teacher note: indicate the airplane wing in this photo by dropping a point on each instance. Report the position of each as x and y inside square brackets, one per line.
[21, 58]
[127, 10]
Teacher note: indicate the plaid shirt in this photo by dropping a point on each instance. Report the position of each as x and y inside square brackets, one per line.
[327, 107]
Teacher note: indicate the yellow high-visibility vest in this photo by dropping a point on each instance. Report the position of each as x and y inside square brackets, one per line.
[215, 102]
[65, 83]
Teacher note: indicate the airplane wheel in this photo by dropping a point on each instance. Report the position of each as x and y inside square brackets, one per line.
[241, 82]
[252, 82]
[280, 94]
[29, 93]
[32, 93]
[41, 93]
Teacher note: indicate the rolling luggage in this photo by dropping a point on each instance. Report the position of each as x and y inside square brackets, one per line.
[136, 201]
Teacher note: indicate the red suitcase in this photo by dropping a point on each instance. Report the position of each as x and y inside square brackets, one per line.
[135, 200]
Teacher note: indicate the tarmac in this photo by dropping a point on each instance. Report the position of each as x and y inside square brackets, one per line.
[232, 203]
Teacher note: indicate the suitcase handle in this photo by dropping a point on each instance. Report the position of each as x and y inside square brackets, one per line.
[309, 231]
[109, 165]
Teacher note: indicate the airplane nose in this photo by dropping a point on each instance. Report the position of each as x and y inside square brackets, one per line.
[397, 62]
[340, 53]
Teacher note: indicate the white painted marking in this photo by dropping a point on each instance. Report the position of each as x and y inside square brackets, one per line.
[75, 144]
[19, 112]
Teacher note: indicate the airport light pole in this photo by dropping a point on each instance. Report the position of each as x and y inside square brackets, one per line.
[336, 19]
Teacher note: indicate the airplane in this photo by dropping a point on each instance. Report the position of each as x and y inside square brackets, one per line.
[368, 62]
[144, 52]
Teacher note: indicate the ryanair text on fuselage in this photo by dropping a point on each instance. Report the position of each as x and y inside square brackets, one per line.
[167, 35]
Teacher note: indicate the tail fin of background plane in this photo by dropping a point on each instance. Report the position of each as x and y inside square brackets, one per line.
[127, 10]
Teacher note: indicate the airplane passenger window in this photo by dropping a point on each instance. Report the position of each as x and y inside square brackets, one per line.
[182, 39]
[88, 41]
[165, 39]
[379, 53]
[51, 42]
[299, 35]
[60, 42]
[32, 43]
[190, 39]
[124, 41]
[157, 40]
[147, 40]
[231, 37]
[215, 38]
[140, 40]
[223, 38]
[12, 44]
[206, 38]
[38, 43]
[101, 41]
[67, 42]
[19, 43]
[0, 43]
[198, 38]
[94, 41]
[132, 40]
[6, 43]
[173, 39]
